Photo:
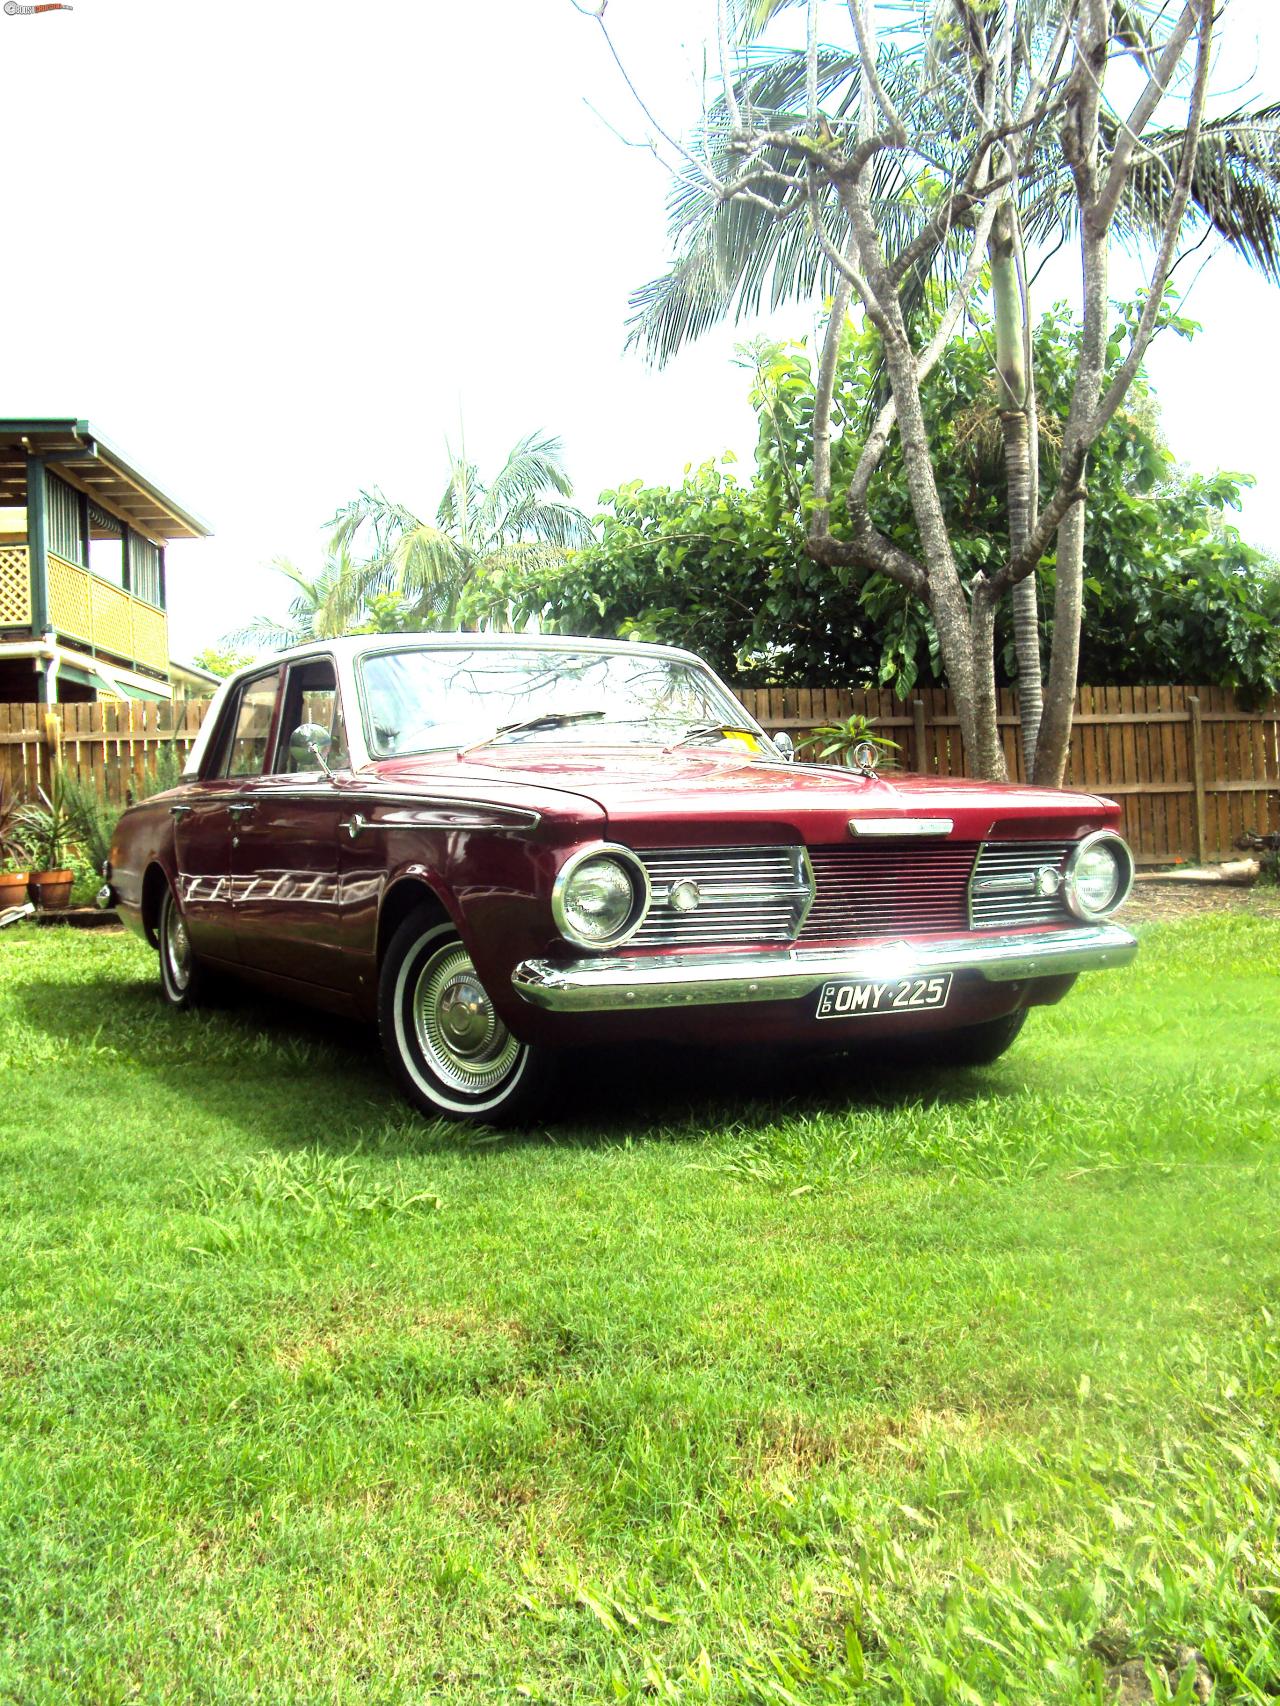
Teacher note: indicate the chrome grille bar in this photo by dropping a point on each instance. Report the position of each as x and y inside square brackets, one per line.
[1019, 882]
[739, 894]
[889, 891]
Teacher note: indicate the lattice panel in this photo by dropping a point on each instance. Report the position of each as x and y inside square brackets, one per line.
[70, 611]
[150, 636]
[112, 624]
[15, 587]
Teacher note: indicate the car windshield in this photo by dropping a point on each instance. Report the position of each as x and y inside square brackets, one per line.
[429, 699]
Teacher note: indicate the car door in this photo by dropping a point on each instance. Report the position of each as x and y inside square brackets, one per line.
[288, 903]
[207, 815]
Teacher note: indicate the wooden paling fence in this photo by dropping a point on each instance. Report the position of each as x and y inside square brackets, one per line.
[113, 744]
[1191, 768]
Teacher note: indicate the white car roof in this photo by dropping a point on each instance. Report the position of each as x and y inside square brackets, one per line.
[354, 645]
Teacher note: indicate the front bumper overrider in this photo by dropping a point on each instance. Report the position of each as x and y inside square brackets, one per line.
[628, 981]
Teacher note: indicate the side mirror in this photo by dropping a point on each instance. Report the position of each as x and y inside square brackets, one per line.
[310, 740]
[785, 745]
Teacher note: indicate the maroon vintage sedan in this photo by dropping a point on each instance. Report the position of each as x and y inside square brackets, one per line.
[505, 847]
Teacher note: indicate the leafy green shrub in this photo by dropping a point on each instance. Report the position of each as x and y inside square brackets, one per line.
[94, 818]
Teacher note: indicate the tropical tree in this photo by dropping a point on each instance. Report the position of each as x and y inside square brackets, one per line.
[522, 516]
[221, 660]
[718, 562]
[317, 611]
[951, 147]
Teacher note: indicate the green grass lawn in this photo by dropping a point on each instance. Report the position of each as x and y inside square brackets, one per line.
[820, 1386]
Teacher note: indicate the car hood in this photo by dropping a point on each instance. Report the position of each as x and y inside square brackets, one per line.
[715, 785]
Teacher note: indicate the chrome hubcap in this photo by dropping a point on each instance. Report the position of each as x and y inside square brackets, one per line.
[464, 1041]
[177, 948]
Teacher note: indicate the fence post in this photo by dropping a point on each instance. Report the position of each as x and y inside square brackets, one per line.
[52, 746]
[1197, 774]
[919, 756]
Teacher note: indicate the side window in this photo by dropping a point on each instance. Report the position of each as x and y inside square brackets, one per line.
[246, 752]
[311, 696]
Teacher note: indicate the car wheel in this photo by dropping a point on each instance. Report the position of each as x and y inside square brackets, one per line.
[184, 981]
[448, 1050]
[978, 1045]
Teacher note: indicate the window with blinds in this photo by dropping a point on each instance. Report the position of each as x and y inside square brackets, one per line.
[144, 570]
[62, 521]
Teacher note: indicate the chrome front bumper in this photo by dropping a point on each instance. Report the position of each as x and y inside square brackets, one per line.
[687, 980]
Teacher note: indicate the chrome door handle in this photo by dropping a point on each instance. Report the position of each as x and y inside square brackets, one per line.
[242, 806]
[354, 824]
[180, 811]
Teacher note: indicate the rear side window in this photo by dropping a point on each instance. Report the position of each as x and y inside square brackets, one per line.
[249, 723]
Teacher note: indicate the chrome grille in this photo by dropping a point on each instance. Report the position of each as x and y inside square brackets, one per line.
[1005, 888]
[745, 894]
[889, 891]
[760, 894]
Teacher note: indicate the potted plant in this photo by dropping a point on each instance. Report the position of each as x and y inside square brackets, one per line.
[13, 869]
[47, 831]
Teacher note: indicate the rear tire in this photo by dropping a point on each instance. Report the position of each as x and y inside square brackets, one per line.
[978, 1045]
[185, 981]
[447, 1049]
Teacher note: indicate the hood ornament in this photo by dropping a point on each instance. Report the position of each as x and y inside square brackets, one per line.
[865, 756]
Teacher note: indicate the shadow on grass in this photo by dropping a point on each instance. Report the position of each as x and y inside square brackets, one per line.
[297, 1076]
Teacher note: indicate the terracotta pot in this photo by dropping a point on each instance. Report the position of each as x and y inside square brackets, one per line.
[13, 888]
[50, 890]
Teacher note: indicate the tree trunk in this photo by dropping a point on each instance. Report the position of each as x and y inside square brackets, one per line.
[1054, 744]
[1011, 316]
[988, 754]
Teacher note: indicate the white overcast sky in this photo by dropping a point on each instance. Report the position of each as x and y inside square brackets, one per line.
[275, 251]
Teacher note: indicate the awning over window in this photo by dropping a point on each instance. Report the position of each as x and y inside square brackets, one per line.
[109, 688]
[131, 690]
[85, 678]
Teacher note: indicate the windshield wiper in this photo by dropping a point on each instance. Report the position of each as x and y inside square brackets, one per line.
[545, 720]
[696, 731]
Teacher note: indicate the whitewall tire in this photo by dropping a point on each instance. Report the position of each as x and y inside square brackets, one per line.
[448, 1050]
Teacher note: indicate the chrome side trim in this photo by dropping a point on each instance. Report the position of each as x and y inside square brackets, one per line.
[623, 982]
[888, 826]
[419, 811]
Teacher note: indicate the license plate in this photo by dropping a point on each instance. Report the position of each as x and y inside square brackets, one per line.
[896, 995]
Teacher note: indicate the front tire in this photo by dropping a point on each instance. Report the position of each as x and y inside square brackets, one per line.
[447, 1049]
[978, 1045]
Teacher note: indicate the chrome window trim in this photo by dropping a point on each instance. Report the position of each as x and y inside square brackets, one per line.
[642, 893]
[1072, 893]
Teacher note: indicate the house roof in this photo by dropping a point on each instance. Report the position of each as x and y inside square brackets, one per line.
[79, 453]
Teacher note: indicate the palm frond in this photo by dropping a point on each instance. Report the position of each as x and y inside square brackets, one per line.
[1235, 186]
[535, 463]
[265, 633]
[546, 521]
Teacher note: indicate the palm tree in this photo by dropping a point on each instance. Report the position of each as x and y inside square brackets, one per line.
[729, 252]
[316, 612]
[521, 516]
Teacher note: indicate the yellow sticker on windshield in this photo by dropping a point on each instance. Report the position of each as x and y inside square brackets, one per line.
[741, 737]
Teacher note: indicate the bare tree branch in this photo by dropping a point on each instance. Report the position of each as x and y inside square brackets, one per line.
[1131, 129]
[867, 52]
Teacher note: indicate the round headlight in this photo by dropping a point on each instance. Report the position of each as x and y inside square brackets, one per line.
[1099, 875]
[600, 897]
